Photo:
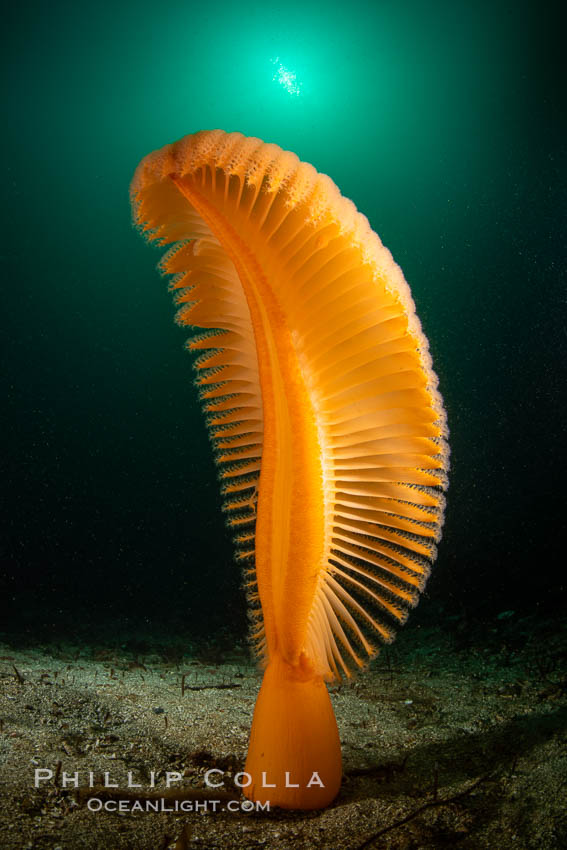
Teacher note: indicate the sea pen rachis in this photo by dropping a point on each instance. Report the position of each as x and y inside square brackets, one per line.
[323, 409]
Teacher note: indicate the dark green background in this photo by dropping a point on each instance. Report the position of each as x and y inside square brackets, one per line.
[443, 121]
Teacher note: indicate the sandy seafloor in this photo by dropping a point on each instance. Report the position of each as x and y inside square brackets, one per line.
[447, 741]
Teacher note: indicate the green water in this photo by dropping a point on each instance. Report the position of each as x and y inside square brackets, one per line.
[443, 122]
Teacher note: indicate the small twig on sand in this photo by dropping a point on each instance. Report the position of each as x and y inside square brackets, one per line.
[431, 805]
[19, 676]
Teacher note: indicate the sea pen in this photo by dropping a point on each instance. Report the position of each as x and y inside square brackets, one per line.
[326, 423]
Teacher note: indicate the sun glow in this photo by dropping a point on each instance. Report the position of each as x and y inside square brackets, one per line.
[286, 78]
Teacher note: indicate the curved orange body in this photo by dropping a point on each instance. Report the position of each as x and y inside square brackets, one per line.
[325, 417]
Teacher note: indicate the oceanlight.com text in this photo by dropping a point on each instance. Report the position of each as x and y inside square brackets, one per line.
[159, 805]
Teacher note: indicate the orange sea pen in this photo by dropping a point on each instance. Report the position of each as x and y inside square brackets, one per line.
[327, 425]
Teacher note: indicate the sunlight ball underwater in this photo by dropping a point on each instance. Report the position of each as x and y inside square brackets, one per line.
[326, 422]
